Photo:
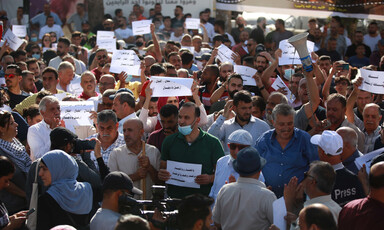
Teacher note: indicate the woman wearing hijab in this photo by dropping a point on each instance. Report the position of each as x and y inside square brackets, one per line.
[67, 201]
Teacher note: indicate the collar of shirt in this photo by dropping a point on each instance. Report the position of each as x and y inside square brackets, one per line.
[251, 120]
[250, 181]
[44, 124]
[338, 166]
[319, 199]
[374, 134]
[132, 115]
[352, 158]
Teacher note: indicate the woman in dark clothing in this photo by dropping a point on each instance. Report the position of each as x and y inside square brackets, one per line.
[66, 201]
[7, 169]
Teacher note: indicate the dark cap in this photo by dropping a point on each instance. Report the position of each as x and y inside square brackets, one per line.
[260, 48]
[120, 91]
[119, 180]
[248, 162]
[205, 56]
[61, 136]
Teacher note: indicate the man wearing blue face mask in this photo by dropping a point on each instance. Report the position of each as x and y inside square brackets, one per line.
[190, 145]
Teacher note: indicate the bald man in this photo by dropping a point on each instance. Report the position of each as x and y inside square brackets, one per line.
[136, 162]
[366, 213]
[350, 151]
[316, 216]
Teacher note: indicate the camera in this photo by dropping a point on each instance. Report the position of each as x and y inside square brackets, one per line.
[81, 145]
[146, 208]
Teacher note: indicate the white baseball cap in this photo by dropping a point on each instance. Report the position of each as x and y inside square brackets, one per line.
[329, 141]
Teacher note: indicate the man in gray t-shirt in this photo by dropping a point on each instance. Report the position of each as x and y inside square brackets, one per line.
[115, 184]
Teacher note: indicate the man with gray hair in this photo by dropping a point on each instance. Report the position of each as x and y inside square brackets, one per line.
[258, 33]
[108, 135]
[350, 151]
[38, 134]
[318, 184]
[288, 150]
[66, 73]
[123, 106]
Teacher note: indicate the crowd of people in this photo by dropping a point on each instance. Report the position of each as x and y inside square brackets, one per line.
[253, 143]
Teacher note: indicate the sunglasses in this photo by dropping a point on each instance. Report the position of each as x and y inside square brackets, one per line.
[10, 75]
[233, 146]
[102, 56]
[306, 174]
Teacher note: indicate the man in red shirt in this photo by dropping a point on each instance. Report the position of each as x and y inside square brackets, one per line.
[366, 213]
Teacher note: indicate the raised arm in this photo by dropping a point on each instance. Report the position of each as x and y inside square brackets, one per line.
[159, 56]
[268, 72]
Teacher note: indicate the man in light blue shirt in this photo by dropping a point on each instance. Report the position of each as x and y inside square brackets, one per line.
[41, 18]
[225, 173]
[242, 106]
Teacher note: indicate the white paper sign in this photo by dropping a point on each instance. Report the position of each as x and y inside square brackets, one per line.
[13, 41]
[279, 212]
[104, 35]
[54, 46]
[225, 54]
[246, 73]
[108, 44]
[141, 27]
[171, 86]
[373, 81]
[192, 23]
[183, 174]
[289, 55]
[20, 30]
[280, 84]
[75, 113]
[125, 60]
[367, 158]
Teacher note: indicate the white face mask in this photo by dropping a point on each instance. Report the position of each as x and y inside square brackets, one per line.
[231, 158]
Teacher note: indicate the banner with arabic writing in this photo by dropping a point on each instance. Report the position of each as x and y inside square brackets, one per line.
[372, 9]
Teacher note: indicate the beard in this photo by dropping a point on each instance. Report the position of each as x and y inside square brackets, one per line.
[232, 93]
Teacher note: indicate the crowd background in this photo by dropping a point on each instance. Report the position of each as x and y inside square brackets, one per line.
[253, 143]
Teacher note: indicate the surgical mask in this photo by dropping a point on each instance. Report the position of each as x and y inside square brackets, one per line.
[186, 130]
[288, 73]
[139, 44]
[37, 56]
[33, 39]
[72, 54]
[128, 79]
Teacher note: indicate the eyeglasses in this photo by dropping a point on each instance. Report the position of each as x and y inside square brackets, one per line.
[233, 146]
[102, 56]
[9, 63]
[306, 174]
[10, 75]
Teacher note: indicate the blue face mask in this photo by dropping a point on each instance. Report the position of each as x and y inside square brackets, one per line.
[128, 79]
[37, 56]
[186, 130]
[288, 73]
[33, 39]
